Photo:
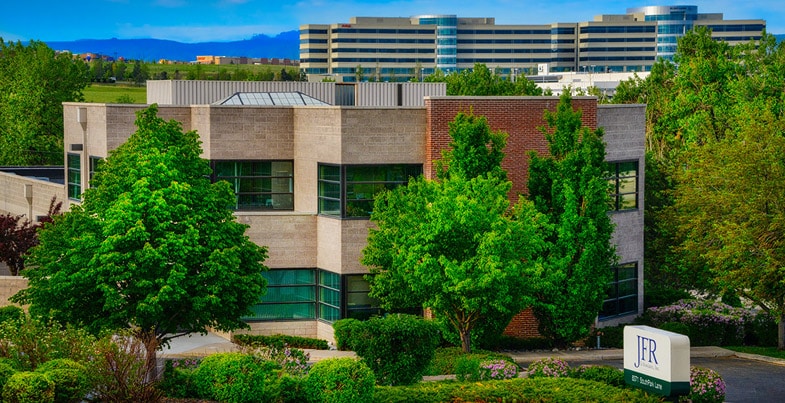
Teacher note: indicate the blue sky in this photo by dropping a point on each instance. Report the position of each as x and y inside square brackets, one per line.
[226, 20]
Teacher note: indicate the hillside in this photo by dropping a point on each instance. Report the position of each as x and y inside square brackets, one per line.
[284, 45]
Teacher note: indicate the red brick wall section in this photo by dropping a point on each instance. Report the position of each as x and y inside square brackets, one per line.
[523, 325]
[519, 117]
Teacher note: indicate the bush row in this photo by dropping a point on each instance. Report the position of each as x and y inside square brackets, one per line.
[280, 340]
[714, 323]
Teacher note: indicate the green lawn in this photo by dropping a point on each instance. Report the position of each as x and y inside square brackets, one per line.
[767, 351]
[113, 93]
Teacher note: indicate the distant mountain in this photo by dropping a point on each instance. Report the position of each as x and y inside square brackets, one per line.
[284, 45]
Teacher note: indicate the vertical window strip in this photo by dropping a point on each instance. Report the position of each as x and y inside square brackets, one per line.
[74, 176]
[622, 292]
[623, 181]
[329, 296]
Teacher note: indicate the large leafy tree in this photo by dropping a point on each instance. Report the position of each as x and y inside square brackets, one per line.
[454, 245]
[34, 82]
[730, 210]
[570, 188]
[153, 247]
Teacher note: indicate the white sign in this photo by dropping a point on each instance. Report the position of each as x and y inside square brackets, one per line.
[657, 360]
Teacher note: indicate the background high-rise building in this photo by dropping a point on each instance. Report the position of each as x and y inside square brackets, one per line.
[396, 49]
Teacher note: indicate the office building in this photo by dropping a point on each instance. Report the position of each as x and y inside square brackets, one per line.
[400, 49]
[305, 174]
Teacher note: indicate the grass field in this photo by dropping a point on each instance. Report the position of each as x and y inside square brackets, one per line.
[767, 351]
[115, 93]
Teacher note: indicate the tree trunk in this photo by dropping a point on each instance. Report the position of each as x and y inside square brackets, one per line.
[781, 332]
[466, 340]
[150, 342]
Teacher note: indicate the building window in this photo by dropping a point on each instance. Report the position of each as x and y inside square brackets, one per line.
[359, 305]
[94, 162]
[623, 180]
[74, 176]
[348, 191]
[622, 292]
[329, 296]
[258, 185]
[291, 295]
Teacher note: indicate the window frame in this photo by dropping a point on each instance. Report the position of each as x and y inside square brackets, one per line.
[343, 184]
[613, 289]
[235, 182]
[74, 176]
[615, 180]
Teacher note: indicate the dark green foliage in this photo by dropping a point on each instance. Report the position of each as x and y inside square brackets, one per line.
[340, 380]
[236, 378]
[508, 343]
[761, 330]
[291, 389]
[680, 328]
[29, 387]
[610, 337]
[177, 379]
[514, 390]
[6, 371]
[344, 330]
[280, 341]
[569, 187]
[70, 377]
[397, 347]
[600, 373]
[11, 312]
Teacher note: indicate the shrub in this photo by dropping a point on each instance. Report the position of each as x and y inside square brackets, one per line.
[520, 390]
[291, 360]
[549, 368]
[610, 337]
[280, 341]
[339, 380]
[600, 373]
[177, 380]
[761, 330]
[119, 370]
[397, 348]
[6, 371]
[706, 385]
[29, 342]
[505, 342]
[70, 377]
[29, 387]
[291, 389]
[474, 369]
[446, 360]
[709, 323]
[344, 330]
[236, 378]
[11, 312]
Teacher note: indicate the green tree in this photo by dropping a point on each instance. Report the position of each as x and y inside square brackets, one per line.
[730, 211]
[570, 188]
[454, 245]
[153, 247]
[480, 81]
[34, 82]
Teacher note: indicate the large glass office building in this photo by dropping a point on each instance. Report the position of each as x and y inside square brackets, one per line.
[398, 49]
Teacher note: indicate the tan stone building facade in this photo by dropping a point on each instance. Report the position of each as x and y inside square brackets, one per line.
[305, 178]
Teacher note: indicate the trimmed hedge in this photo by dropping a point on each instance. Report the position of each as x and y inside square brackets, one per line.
[513, 390]
[600, 373]
[397, 348]
[343, 330]
[280, 340]
[340, 380]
